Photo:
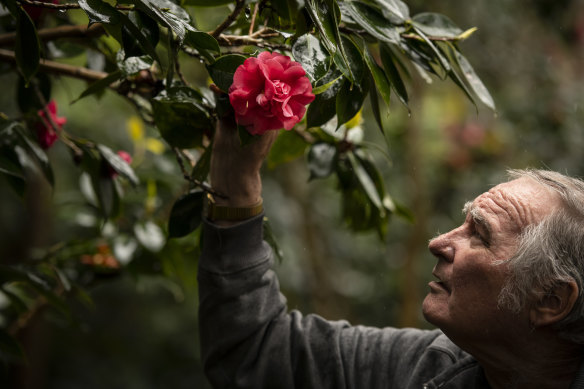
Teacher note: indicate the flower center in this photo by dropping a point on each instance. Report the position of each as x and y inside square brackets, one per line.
[282, 89]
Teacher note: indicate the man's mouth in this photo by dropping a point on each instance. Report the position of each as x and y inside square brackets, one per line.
[439, 283]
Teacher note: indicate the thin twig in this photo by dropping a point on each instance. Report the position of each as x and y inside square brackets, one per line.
[186, 176]
[253, 18]
[49, 34]
[58, 68]
[308, 138]
[66, 6]
[239, 4]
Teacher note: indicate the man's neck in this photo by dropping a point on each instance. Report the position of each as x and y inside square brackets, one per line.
[540, 363]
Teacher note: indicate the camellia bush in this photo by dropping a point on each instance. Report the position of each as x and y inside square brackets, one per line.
[304, 66]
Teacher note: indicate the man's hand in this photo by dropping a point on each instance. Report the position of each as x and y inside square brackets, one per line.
[235, 169]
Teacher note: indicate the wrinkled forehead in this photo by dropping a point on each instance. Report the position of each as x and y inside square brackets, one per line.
[516, 204]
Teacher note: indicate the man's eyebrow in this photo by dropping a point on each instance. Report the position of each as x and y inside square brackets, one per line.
[477, 217]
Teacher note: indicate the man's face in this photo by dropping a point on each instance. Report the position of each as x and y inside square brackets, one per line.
[463, 301]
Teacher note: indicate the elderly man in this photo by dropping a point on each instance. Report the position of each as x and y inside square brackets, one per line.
[507, 297]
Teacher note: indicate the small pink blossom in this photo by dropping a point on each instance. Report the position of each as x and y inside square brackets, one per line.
[46, 134]
[270, 92]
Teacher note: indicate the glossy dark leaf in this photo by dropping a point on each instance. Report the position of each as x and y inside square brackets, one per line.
[207, 3]
[387, 59]
[27, 97]
[371, 20]
[289, 145]
[436, 25]
[367, 182]
[439, 56]
[168, 14]
[186, 214]
[181, 117]
[270, 238]
[118, 164]
[473, 79]
[204, 43]
[322, 158]
[37, 153]
[352, 57]
[27, 47]
[323, 108]
[222, 70]
[394, 10]
[203, 165]
[147, 27]
[350, 99]
[100, 85]
[375, 108]
[308, 50]
[381, 82]
[99, 11]
[132, 65]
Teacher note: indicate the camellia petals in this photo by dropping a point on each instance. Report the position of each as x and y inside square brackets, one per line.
[269, 93]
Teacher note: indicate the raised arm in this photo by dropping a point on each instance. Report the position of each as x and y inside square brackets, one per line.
[248, 338]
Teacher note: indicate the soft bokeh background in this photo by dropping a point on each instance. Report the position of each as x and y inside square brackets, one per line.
[141, 331]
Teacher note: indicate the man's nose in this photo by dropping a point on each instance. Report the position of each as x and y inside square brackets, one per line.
[442, 247]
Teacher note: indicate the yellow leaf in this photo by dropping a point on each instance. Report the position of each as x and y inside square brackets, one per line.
[135, 128]
[154, 145]
[354, 122]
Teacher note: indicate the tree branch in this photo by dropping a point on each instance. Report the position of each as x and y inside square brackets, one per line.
[58, 68]
[49, 34]
[239, 4]
[66, 6]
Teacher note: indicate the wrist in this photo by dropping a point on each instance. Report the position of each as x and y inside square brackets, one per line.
[227, 213]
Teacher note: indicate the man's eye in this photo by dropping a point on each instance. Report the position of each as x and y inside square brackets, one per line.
[483, 240]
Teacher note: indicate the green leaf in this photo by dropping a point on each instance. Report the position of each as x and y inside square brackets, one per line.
[473, 79]
[271, 239]
[99, 11]
[308, 50]
[387, 59]
[381, 82]
[181, 117]
[376, 110]
[441, 59]
[325, 15]
[27, 47]
[371, 20]
[323, 108]
[100, 85]
[289, 145]
[366, 182]
[148, 28]
[436, 25]
[207, 3]
[322, 160]
[395, 10]
[323, 88]
[352, 57]
[186, 214]
[350, 99]
[204, 43]
[133, 65]
[203, 165]
[222, 70]
[27, 98]
[168, 14]
[118, 164]
[37, 153]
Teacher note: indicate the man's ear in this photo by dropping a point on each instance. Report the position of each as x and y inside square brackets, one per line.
[554, 305]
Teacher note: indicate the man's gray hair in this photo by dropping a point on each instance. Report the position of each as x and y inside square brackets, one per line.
[551, 252]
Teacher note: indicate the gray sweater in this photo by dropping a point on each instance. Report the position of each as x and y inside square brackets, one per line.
[250, 340]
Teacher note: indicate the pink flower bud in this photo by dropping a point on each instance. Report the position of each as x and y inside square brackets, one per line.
[46, 133]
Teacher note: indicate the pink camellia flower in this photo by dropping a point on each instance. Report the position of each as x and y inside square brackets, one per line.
[46, 134]
[269, 92]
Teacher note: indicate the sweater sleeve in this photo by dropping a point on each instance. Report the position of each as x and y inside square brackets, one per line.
[249, 340]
